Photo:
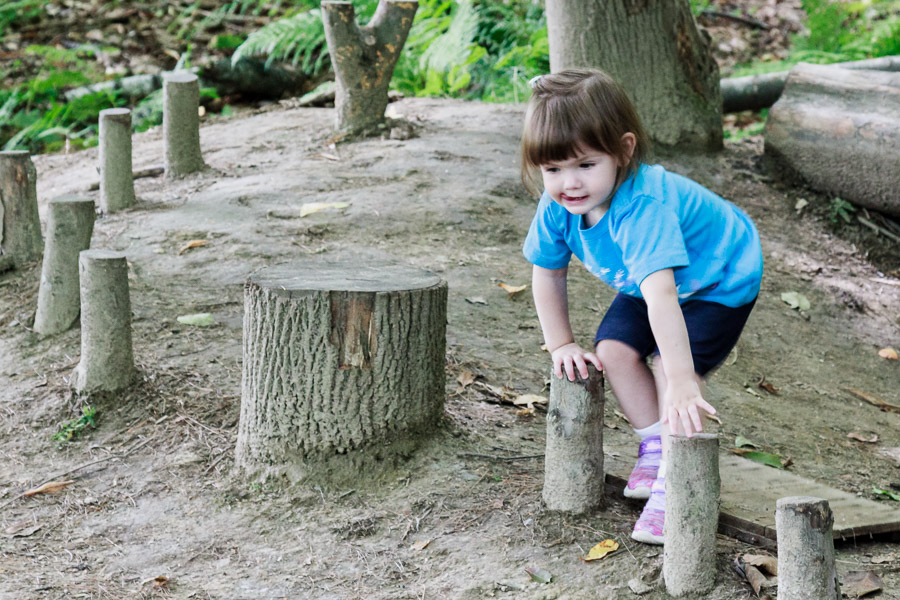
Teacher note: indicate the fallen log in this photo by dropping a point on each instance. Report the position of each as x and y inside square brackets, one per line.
[838, 131]
[754, 92]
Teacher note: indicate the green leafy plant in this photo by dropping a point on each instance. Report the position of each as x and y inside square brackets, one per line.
[839, 210]
[73, 429]
[299, 39]
[18, 11]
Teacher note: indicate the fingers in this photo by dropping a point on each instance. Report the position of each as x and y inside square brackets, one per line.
[686, 424]
[595, 360]
[695, 418]
[706, 406]
[570, 368]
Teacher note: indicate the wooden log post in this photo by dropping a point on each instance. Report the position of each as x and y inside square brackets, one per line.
[181, 124]
[839, 131]
[116, 181]
[20, 234]
[107, 360]
[806, 568]
[70, 223]
[692, 514]
[573, 461]
[363, 59]
[343, 367]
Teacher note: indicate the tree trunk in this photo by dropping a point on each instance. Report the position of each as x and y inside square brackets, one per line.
[340, 358]
[20, 225]
[754, 92]
[107, 359]
[363, 58]
[116, 182]
[805, 549]
[656, 51]
[692, 514]
[70, 223]
[839, 131]
[181, 124]
[573, 461]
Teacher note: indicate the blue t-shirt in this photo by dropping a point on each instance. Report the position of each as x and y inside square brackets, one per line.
[656, 220]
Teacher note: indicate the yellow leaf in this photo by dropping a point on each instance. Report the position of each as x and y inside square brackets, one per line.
[314, 207]
[529, 399]
[889, 353]
[49, 488]
[601, 550]
[512, 290]
[192, 244]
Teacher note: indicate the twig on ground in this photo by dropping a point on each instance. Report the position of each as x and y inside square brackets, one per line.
[738, 18]
[892, 282]
[502, 458]
[878, 228]
[873, 400]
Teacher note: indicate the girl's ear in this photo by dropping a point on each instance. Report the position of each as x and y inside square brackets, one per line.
[629, 141]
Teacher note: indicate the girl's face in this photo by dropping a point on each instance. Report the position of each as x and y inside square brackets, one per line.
[583, 184]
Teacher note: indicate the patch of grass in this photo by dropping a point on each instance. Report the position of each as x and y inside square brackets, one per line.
[840, 210]
[73, 429]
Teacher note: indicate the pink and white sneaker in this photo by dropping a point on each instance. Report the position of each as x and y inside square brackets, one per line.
[649, 527]
[644, 473]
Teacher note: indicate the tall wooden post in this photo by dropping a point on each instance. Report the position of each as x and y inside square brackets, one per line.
[573, 462]
[181, 124]
[116, 180]
[363, 58]
[20, 234]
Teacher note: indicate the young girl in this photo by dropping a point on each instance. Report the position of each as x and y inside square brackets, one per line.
[686, 264]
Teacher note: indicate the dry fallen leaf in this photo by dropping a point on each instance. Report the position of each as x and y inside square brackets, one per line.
[540, 575]
[160, 581]
[465, 379]
[476, 300]
[420, 545]
[873, 400]
[861, 438]
[769, 563]
[861, 583]
[601, 550]
[22, 531]
[529, 399]
[314, 207]
[528, 411]
[512, 290]
[49, 487]
[192, 244]
[767, 386]
[888, 353]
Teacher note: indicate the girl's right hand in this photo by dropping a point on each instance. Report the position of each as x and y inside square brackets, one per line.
[571, 356]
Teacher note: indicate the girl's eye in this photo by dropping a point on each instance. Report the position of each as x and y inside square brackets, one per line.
[586, 165]
[551, 169]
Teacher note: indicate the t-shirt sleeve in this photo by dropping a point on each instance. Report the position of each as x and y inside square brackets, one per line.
[545, 245]
[649, 234]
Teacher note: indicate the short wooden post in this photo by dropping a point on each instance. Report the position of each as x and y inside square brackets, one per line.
[692, 514]
[70, 223]
[181, 124]
[116, 181]
[20, 235]
[107, 361]
[343, 367]
[806, 569]
[573, 461]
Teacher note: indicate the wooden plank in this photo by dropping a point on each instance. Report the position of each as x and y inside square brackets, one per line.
[749, 493]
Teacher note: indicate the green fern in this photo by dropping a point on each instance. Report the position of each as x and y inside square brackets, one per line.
[299, 39]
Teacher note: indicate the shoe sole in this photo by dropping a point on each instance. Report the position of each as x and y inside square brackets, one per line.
[641, 493]
[645, 537]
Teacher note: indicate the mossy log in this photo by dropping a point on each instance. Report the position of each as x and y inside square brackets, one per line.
[363, 59]
[343, 364]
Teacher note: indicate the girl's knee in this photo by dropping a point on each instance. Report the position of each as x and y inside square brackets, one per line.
[613, 354]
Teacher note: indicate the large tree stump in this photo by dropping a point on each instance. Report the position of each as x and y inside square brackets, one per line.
[805, 549]
[839, 130]
[340, 358]
[658, 54]
[107, 359]
[363, 58]
[181, 124]
[573, 461]
[70, 223]
[20, 234]
[692, 514]
[116, 181]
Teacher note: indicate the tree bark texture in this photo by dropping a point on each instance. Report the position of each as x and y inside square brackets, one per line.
[805, 549]
[116, 182]
[181, 124]
[107, 360]
[659, 55]
[839, 130]
[692, 514]
[340, 358]
[363, 58]
[20, 235]
[573, 461]
[70, 223]
[754, 92]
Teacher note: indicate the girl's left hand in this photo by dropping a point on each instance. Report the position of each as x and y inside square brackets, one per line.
[683, 402]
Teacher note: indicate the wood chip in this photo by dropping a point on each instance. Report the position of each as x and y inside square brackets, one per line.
[49, 487]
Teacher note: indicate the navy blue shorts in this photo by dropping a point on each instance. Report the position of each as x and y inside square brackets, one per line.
[713, 329]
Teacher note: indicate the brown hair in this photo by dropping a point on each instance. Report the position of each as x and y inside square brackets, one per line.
[579, 108]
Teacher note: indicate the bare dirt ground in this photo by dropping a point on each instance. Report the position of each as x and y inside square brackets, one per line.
[164, 502]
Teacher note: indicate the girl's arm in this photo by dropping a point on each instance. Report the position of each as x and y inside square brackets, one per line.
[682, 395]
[552, 304]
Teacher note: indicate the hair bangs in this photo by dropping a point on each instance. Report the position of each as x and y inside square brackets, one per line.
[558, 129]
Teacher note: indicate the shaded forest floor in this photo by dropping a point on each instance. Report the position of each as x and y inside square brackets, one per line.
[457, 520]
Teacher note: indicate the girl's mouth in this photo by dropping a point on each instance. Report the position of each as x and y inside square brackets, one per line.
[573, 199]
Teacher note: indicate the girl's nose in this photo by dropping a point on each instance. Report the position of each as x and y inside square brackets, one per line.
[572, 181]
